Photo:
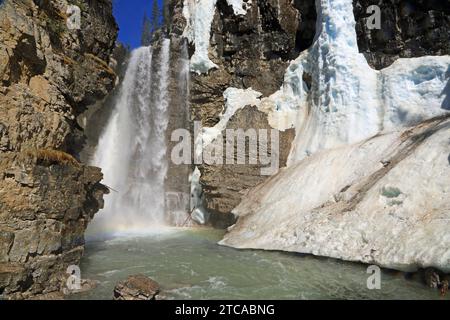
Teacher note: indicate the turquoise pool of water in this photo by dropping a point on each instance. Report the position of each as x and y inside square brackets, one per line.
[188, 264]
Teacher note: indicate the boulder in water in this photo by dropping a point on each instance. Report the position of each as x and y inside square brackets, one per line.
[136, 287]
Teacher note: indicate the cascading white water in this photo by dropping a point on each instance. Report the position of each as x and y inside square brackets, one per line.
[132, 149]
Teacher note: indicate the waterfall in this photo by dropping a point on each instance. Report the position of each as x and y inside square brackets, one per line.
[132, 149]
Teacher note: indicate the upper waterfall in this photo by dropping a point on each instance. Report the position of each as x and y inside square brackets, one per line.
[132, 149]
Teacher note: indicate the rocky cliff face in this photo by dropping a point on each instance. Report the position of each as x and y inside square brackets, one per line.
[412, 28]
[48, 76]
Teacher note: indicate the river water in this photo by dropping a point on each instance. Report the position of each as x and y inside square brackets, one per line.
[188, 264]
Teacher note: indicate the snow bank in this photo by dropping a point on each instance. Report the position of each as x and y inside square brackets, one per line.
[383, 201]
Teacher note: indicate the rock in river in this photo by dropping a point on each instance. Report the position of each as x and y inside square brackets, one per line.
[136, 287]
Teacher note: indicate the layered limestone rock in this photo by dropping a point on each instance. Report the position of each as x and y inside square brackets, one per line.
[45, 207]
[357, 187]
[49, 74]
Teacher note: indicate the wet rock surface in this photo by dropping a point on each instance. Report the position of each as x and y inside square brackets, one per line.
[44, 211]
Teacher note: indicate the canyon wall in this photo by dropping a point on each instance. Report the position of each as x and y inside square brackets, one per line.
[409, 29]
[49, 74]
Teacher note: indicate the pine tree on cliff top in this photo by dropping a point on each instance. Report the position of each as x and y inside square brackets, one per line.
[147, 32]
[156, 16]
[166, 14]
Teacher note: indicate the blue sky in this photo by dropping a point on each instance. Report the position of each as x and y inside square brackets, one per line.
[129, 15]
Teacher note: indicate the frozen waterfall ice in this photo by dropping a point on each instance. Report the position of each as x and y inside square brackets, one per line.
[199, 15]
[333, 97]
[132, 149]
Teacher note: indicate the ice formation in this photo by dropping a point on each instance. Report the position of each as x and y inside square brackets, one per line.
[237, 5]
[333, 97]
[235, 99]
[199, 15]
[198, 213]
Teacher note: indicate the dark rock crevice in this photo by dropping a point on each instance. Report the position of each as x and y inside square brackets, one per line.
[25, 62]
[307, 29]
[409, 28]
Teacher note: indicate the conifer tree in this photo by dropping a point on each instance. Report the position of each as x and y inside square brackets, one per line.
[165, 14]
[147, 32]
[156, 16]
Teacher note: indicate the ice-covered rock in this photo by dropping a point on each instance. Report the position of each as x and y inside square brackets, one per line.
[235, 99]
[198, 213]
[333, 97]
[237, 5]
